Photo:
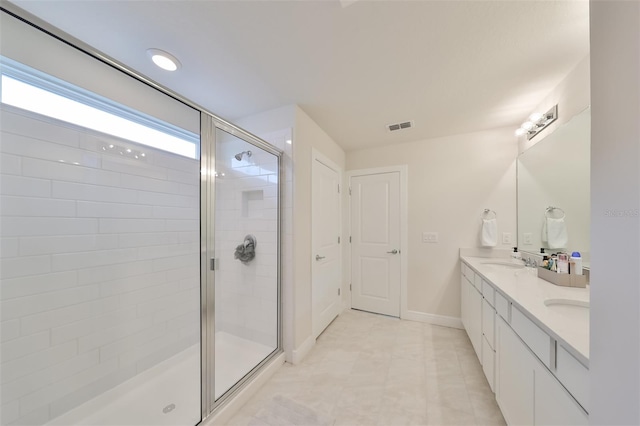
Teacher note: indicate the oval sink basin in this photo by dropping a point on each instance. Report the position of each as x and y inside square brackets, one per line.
[579, 304]
[504, 265]
[570, 311]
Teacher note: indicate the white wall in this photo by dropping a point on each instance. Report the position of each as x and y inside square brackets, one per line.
[100, 264]
[451, 181]
[615, 202]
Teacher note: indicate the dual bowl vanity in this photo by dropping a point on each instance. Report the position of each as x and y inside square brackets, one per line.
[532, 339]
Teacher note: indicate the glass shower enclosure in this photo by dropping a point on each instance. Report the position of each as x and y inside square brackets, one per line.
[241, 262]
[139, 270]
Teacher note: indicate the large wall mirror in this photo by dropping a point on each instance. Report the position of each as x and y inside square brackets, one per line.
[553, 190]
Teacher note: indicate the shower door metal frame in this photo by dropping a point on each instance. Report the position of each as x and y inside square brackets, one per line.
[209, 125]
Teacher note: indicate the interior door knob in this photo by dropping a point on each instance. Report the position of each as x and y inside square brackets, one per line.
[394, 251]
[318, 257]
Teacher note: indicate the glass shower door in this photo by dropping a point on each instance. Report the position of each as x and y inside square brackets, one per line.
[246, 228]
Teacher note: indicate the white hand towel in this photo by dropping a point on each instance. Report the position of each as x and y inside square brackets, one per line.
[555, 231]
[489, 232]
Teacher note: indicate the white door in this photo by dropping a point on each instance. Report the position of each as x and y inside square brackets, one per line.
[326, 262]
[375, 244]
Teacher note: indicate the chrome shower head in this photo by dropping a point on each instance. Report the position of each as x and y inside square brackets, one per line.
[239, 155]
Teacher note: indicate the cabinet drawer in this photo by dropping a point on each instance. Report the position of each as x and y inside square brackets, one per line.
[538, 341]
[488, 292]
[477, 282]
[489, 363]
[489, 323]
[502, 306]
[574, 376]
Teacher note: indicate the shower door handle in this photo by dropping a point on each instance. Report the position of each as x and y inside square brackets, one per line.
[213, 264]
[318, 257]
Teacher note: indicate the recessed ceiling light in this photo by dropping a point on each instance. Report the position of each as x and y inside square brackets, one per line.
[163, 59]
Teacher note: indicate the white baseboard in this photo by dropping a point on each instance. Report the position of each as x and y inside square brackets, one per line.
[225, 413]
[442, 320]
[299, 353]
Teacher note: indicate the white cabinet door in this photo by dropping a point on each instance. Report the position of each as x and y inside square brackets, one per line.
[553, 404]
[475, 320]
[464, 303]
[488, 323]
[514, 377]
[488, 363]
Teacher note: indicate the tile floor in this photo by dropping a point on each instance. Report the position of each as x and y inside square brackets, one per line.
[368, 369]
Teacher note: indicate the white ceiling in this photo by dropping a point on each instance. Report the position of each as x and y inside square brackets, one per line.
[451, 66]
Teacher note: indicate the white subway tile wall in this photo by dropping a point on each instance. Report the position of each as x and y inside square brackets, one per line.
[99, 264]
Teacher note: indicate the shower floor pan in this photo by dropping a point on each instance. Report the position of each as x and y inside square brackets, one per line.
[168, 393]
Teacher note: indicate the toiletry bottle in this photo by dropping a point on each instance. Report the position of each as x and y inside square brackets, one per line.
[545, 262]
[563, 263]
[516, 254]
[576, 258]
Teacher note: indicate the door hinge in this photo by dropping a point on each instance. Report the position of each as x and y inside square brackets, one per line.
[349, 190]
[338, 292]
[349, 238]
[338, 240]
[350, 288]
[338, 188]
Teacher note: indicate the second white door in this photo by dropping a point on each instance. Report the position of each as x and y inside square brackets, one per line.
[326, 262]
[375, 246]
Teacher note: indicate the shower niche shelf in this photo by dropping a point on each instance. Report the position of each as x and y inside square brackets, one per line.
[252, 203]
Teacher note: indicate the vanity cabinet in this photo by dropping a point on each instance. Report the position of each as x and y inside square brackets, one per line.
[478, 318]
[471, 309]
[535, 379]
[527, 392]
[464, 301]
[553, 405]
[515, 377]
[475, 320]
[488, 342]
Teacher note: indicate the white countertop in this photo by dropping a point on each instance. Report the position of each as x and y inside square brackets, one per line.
[528, 292]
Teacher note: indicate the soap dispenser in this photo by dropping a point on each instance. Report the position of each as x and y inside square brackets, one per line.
[516, 254]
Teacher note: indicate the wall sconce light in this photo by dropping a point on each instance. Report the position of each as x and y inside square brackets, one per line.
[537, 122]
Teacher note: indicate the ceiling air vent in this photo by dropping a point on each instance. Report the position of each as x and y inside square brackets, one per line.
[400, 126]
